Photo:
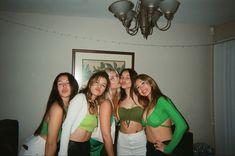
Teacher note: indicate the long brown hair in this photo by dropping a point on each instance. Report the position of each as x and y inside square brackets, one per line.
[155, 91]
[93, 105]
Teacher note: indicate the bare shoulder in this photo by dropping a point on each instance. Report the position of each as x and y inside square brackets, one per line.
[56, 108]
[105, 103]
[56, 113]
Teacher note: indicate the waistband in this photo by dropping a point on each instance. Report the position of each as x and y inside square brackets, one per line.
[132, 134]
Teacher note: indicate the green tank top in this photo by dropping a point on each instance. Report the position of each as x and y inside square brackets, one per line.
[89, 123]
[132, 114]
[44, 129]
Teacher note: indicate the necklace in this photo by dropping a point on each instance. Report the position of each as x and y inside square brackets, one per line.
[128, 122]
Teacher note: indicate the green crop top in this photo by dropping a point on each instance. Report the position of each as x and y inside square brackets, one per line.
[132, 114]
[44, 129]
[163, 110]
[89, 123]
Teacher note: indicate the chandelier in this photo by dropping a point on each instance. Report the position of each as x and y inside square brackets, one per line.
[145, 14]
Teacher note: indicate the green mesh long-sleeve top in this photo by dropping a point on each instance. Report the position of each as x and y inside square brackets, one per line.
[163, 110]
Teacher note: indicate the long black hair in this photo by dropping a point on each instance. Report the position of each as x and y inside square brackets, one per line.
[55, 97]
[133, 75]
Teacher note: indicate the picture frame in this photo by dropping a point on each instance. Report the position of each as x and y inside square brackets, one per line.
[85, 62]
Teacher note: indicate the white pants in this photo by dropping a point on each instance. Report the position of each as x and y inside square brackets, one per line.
[131, 144]
[36, 146]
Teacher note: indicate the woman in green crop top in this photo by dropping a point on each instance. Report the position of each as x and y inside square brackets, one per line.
[158, 118]
[102, 139]
[81, 118]
[46, 137]
[131, 136]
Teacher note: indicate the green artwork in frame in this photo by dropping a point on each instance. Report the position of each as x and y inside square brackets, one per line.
[86, 62]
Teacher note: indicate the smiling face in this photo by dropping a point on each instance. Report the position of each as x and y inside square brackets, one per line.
[143, 87]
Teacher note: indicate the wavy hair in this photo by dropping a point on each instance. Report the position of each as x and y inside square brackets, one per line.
[155, 91]
[93, 105]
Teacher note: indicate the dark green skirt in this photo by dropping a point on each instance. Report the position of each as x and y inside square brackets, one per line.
[95, 147]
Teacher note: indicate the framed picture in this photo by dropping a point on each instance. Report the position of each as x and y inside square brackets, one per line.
[86, 62]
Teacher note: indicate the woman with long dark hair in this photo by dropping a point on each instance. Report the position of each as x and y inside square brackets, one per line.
[131, 136]
[47, 135]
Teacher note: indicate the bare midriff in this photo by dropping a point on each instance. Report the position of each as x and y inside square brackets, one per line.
[160, 133]
[134, 127]
[80, 135]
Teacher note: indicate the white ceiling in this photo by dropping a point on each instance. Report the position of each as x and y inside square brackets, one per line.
[209, 12]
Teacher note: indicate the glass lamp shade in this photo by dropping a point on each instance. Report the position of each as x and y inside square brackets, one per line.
[156, 15]
[169, 6]
[130, 15]
[121, 8]
[151, 3]
[145, 16]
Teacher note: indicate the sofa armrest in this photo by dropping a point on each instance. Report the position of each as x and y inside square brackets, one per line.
[9, 132]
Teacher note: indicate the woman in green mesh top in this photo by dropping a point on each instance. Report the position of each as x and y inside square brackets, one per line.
[46, 137]
[158, 118]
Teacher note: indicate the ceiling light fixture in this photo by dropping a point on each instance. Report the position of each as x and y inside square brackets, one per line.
[145, 15]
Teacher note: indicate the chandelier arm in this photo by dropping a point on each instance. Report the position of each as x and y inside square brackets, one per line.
[144, 15]
[166, 27]
[151, 31]
[131, 31]
[134, 28]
